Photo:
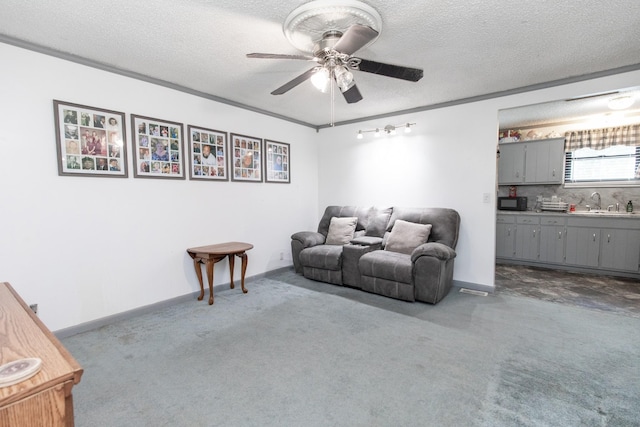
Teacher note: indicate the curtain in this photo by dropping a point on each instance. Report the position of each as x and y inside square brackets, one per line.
[599, 139]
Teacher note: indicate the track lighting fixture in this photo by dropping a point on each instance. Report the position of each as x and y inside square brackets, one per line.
[388, 129]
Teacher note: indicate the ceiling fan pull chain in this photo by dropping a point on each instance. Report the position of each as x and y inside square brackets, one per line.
[333, 92]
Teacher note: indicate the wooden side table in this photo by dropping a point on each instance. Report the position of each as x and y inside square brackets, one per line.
[44, 399]
[211, 254]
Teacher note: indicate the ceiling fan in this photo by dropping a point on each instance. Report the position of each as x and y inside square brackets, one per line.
[332, 31]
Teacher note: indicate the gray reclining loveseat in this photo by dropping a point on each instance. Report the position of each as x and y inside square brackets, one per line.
[403, 253]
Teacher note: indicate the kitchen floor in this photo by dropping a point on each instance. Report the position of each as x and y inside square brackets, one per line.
[604, 293]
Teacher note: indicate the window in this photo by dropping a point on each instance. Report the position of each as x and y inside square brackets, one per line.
[617, 164]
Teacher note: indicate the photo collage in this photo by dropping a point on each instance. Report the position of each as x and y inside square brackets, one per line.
[158, 147]
[93, 140]
[208, 154]
[247, 155]
[277, 161]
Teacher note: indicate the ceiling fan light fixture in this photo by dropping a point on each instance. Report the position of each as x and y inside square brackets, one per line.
[344, 78]
[320, 79]
[621, 102]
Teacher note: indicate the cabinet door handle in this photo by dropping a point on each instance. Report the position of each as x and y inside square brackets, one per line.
[553, 173]
[517, 174]
[559, 234]
[608, 238]
[508, 232]
[534, 232]
[594, 237]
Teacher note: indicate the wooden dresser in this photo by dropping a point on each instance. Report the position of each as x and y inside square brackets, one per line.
[44, 399]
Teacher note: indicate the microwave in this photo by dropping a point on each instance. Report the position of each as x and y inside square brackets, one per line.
[512, 203]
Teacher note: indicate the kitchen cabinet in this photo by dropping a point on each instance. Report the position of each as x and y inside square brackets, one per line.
[620, 249]
[527, 237]
[505, 236]
[544, 161]
[599, 244]
[610, 244]
[531, 162]
[583, 246]
[552, 239]
[511, 163]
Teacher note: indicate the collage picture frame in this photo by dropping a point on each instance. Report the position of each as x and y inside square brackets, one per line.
[157, 148]
[246, 160]
[277, 162]
[90, 141]
[208, 155]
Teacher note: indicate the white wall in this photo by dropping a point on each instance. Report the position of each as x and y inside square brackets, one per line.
[84, 248]
[448, 160]
[87, 248]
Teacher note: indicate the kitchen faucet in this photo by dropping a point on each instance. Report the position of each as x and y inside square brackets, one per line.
[598, 204]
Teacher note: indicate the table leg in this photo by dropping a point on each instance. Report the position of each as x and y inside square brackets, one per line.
[196, 265]
[244, 269]
[231, 263]
[210, 263]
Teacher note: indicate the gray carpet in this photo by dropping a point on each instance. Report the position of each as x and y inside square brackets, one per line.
[294, 352]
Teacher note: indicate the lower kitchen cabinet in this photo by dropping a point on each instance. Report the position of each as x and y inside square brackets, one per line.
[583, 246]
[552, 239]
[620, 249]
[599, 244]
[527, 237]
[505, 236]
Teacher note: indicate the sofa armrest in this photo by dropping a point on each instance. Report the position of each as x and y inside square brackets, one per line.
[366, 241]
[302, 240]
[433, 249]
[350, 259]
[432, 271]
[308, 238]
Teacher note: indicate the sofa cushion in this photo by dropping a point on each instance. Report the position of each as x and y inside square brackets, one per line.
[406, 236]
[377, 221]
[342, 212]
[392, 266]
[341, 230]
[445, 222]
[327, 257]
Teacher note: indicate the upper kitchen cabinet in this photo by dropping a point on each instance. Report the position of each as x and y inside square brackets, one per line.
[531, 162]
[511, 163]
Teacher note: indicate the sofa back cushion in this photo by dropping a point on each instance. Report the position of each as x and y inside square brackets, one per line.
[341, 230]
[343, 211]
[406, 236]
[377, 221]
[445, 222]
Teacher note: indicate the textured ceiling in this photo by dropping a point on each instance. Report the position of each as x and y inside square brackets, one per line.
[467, 49]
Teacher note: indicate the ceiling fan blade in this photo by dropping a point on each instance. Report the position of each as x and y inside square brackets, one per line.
[404, 73]
[295, 82]
[279, 56]
[352, 95]
[355, 38]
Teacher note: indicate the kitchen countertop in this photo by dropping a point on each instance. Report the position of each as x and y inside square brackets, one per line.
[578, 214]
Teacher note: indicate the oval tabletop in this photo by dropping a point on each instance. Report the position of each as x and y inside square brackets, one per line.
[222, 248]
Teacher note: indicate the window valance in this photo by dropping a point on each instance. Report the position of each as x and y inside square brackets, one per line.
[599, 139]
